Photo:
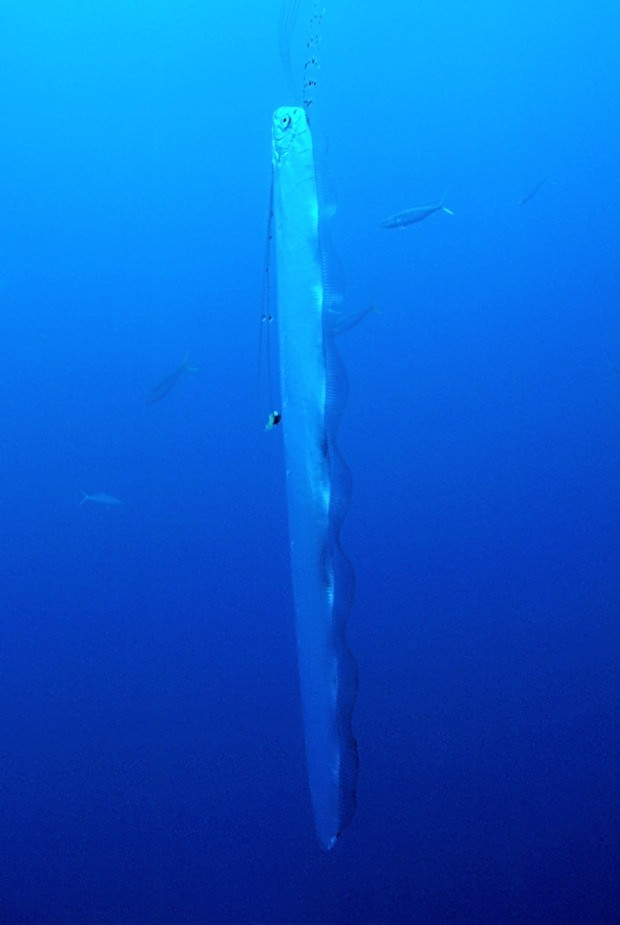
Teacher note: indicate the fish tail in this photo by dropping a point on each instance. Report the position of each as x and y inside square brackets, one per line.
[441, 204]
[84, 497]
[187, 367]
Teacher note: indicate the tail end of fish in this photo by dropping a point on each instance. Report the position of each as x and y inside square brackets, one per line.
[187, 367]
[84, 497]
[441, 204]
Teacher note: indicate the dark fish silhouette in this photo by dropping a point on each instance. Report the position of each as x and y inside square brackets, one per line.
[417, 214]
[166, 385]
[534, 190]
[342, 323]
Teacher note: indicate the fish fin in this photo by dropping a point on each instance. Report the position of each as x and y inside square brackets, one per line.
[84, 497]
[447, 211]
[187, 367]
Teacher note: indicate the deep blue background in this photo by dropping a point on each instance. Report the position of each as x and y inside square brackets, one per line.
[151, 759]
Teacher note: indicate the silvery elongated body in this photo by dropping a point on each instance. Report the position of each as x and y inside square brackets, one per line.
[313, 390]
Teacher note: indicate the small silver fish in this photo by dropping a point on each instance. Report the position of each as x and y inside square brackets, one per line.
[101, 498]
[417, 214]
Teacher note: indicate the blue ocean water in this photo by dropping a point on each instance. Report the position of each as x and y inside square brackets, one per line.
[151, 761]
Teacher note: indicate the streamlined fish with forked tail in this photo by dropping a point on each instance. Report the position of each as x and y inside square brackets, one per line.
[101, 497]
[166, 385]
[414, 215]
